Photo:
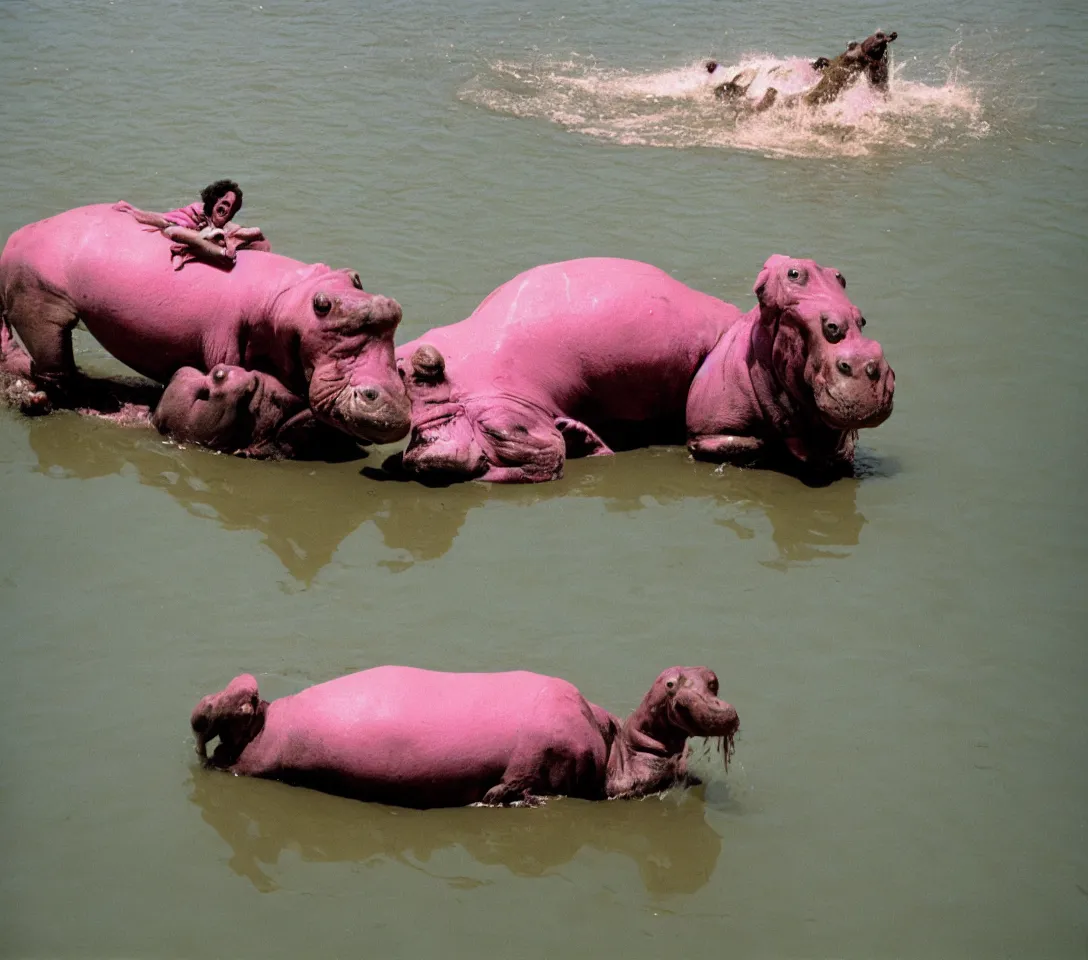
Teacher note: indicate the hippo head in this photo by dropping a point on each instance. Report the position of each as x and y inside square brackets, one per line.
[874, 55]
[227, 409]
[234, 715]
[495, 437]
[686, 699]
[649, 751]
[212, 409]
[346, 348]
[819, 354]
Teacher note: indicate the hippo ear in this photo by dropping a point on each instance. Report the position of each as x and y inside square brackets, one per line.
[426, 365]
[424, 375]
[765, 276]
[580, 440]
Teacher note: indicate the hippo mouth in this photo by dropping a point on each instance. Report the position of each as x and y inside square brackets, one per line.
[436, 448]
[706, 719]
[847, 411]
[370, 414]
[717, 720]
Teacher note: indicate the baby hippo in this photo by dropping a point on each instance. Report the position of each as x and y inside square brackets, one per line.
[419, 738]
[243, 412]
[237, 411]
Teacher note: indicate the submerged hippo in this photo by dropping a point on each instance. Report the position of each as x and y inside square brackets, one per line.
[419, 738]
[565, 357]
[231, 410]
[243, 412]
[315, 329]
[813, 83]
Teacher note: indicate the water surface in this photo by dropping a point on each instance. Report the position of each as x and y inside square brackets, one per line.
[905, 648]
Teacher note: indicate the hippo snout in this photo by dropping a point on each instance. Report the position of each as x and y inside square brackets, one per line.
[873, 368]
[707, 717]
[445, 446]
[373, 412]
[384, 310]
[857, 390]
[725, 720]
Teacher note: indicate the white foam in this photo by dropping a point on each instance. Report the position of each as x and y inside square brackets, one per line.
[677, 108]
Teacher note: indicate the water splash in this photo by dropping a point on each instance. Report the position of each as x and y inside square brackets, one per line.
[677, 109]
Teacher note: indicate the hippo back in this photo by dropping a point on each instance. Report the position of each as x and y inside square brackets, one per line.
[411, 736]
[118, 275]
[598, 338]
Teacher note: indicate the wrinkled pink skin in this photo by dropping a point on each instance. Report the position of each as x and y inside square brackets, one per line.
[312, 328]
[419, 738]
[231, 410]
[563, 356]
[243, 412]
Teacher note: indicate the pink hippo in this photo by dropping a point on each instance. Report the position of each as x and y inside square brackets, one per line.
[419, 738]
[314, 329]
[245, 413]
[576, 357]
[229, 410]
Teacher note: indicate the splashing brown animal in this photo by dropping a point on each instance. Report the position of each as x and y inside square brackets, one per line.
[814, 83]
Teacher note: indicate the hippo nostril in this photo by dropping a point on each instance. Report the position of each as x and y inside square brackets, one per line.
[370, 394]
[872, 370]
[844, 368]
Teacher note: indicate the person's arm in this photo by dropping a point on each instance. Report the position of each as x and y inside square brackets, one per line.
[205, 249]
[247, 234]
[142, 216]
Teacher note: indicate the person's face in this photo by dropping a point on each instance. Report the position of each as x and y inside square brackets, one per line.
[223, 209]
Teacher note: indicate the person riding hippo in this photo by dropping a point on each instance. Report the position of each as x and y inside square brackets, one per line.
[204, 230]
[423, 738]
[814, 84]
[313, 328]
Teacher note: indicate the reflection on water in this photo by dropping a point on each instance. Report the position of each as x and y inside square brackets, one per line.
[667, 837]
[304, 511]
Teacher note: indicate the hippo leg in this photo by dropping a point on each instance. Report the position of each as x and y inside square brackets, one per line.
[725, 448]
[566, 766]
[736, 88]
[768, 101]
[44, 320]
[580, 440]
[16, 384]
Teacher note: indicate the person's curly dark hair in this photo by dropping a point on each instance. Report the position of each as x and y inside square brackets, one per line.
[213, 191]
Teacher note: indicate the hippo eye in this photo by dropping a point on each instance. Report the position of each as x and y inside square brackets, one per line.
[711, 66]
[220, 375]
[712, 686]
[841, 279]
[357, 281]
[670, 685]
[833, 332]
[862, 322]
[322, 304]
[797, 275]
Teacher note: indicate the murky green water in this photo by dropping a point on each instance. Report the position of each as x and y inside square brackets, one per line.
[906, 650]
